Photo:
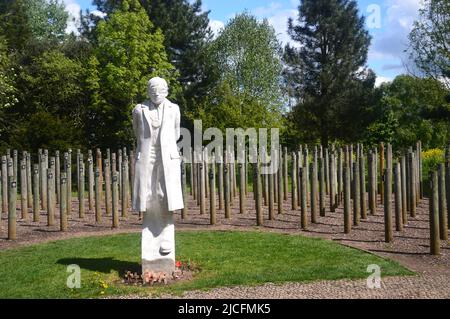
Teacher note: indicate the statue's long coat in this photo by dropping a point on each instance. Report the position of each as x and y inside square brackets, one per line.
[169, 135]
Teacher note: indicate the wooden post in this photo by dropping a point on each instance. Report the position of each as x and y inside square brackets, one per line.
[285, 174]
[435, 245]
[212, 195]
[12, 206]
[91, 182]
[443, 221]
[220, 175]
[398, 197]
[297, 172]
[191, 173]
[333, 186]
[362, 184]
[29, 180]
[194, 175]
[36, 207]
[52, 168]
[356, 195]
[294, 181]
[322, 187]
[63, 203]
[81, 176]
[115, 200]
[69, 183]
[271, 197]
[23, 190]
[421, 170]
[327, 171]
[347, 202]
[242, 199]
[340, 176]
[412, 187]
[280, 185]
[201, 172]
[50, 198]
[372, 184]
[15, 164]
[43, 178]
[98, 213]
[447, 184]
[258, 189]
[57, 177]
[78, 168]
[314, 189]
[387, 178]
[404, 194]
[304, 196]
[123, 190]
[5, 186]
[183, 188]
[107, 172]
[226, 178]
[100, 167]
[132, 172]
[382, 172]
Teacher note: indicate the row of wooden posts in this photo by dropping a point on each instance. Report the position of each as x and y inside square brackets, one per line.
[45, 184]
[337, 172]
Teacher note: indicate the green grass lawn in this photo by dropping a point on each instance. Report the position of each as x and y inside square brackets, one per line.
[224, 259]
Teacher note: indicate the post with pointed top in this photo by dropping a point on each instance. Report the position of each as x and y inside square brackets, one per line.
[347, 201]
[443, 221]
[98, 212]
[81, 188]
[183, 188]
[107, 172]
[63, 203]
[435, 245]
[12, 202]
[23, 190]
[29, 180]
[36, 206]
[115, 200]
[5, 186]
[294, 181]
[322, 186]
[50, 198]
[212, 197]
[398, 198]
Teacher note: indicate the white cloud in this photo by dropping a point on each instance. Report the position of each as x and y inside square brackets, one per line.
[381, 79]
[397, 24]
[216, 26]
[73, 8]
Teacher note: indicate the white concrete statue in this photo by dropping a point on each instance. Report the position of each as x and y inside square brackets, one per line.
[157, 183]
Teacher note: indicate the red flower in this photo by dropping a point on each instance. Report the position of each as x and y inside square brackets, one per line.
[178, 264]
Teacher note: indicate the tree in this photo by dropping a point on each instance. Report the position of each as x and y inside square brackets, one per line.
[7, 85]
[411, 109]
[327, 64]
[186, 34]
[38, 20]
[129, 52]
[246, 59]
[430, 40]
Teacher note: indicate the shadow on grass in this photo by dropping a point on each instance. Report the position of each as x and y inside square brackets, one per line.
[102, 265]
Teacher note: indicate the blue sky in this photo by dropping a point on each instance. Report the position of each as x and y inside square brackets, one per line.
[389, 28]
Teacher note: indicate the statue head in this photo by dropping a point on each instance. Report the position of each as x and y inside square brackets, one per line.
[158, 90]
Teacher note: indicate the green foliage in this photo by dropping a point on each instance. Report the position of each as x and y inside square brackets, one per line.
[246, 64]
[47, 131]
[129, 52]
[7, 85]
[430, 39]
[47, 19]
[224, 259]
[324, 73]
[411, 109]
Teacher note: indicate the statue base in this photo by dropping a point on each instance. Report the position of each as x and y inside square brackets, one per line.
[158, 241]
